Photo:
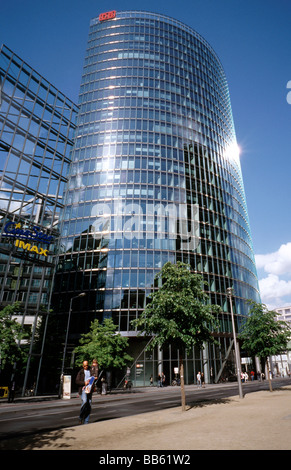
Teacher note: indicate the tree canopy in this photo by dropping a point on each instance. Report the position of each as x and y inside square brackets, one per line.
[11, 333]
[178, 312]
[262, 335]
[103, 343]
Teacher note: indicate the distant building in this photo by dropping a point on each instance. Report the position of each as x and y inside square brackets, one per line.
[284, 313]
[281, 364]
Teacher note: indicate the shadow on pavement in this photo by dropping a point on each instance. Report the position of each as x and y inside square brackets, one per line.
[200, 403]
[36, 441]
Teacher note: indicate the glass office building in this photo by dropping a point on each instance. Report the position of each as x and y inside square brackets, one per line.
[155, 177]
[36, 130]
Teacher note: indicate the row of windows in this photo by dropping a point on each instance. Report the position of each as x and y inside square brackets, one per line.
[152, 131]
[195, 91]
[148, 185]
[32, 299]
[190, 98]
[131, 299]
[152, 52]
[145, 22]
[141, 139]
[140, 116]
[166, 159]
[182, 115]
[218, 274]
[141, 170]
[89, 214]
[99, 35]
[141, 183]
[112, 60]
[215, 259]
[216, 243]
[213, 234]
[149, 77]
[110, 108]
[201, 128]
[140, 133]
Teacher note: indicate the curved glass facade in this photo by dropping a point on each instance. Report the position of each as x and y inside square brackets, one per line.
[155, 174]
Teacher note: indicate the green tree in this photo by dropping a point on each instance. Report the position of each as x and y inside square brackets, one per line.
[11, 333]
[103, 343]
[178, 313]
[263, 336]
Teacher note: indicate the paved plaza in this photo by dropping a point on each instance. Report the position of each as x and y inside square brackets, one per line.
[259, 421]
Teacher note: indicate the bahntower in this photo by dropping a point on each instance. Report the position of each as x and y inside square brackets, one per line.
[155, 177]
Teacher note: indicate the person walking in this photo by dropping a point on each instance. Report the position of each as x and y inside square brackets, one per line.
[198, 377]
[11, 390]
[159, 381]
[94, 369]
[95, 373]
[83, 379]
[163, 379]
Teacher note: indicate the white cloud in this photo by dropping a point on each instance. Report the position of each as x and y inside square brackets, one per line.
[272, 287]
[276, 291]
[278, 262]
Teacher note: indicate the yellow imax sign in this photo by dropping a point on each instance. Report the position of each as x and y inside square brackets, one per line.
[31, 248]
[28, 239]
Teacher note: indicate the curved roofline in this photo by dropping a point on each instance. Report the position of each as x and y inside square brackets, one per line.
[169, 20]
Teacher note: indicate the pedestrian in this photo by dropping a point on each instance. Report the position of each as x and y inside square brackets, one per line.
[198, 377]
[163, 379]
[211, 375]
[11, 390]
[151, 380]
[259, 376]
[252, 375]
[202, 380]
[83, 379]
[95, 369]
[95, 372]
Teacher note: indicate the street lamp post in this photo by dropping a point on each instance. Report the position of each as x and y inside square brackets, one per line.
[66, 341]
[237, 356]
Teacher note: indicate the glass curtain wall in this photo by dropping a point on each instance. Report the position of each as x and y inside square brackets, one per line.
[155, 177]
[36, 130]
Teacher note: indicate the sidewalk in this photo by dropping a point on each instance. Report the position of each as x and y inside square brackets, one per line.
[259, 421]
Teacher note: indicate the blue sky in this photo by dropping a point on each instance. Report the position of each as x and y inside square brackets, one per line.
[253, 41]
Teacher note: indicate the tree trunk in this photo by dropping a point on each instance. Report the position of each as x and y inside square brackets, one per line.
[183, 398]
[269, 378]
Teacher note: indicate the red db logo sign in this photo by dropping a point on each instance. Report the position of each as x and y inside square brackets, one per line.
[107, 16]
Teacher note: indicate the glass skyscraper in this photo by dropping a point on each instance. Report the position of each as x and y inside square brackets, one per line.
[36, 129]
[155, 177]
